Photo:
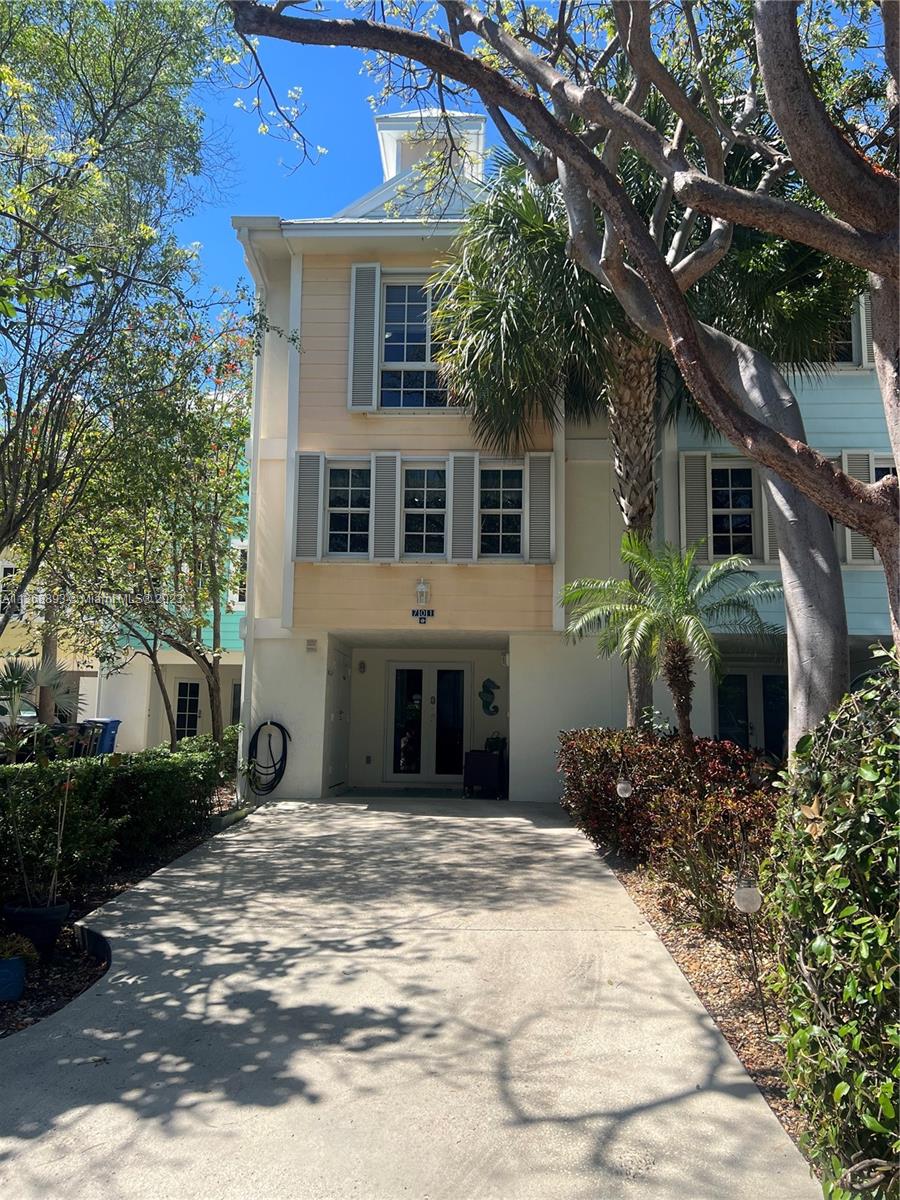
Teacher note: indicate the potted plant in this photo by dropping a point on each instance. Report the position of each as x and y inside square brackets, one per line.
[42, 914]
[17, 957]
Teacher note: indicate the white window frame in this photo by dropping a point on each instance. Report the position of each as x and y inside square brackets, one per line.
[364, 464]
[415, 279]
[503, 465]
[414, 464]
[859, 342]
[757, 512]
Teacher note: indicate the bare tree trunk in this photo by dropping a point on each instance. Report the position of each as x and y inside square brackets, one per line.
[631, 414]
[214, 688]
[816, 618]
[47, 696]
[889, 549]
[153, 655]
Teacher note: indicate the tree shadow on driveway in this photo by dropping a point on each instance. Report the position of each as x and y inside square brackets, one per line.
[474, 1002]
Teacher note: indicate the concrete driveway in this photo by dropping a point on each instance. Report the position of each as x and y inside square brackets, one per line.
[386, 1001]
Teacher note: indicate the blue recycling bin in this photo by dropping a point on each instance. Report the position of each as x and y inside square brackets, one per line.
[109, 727]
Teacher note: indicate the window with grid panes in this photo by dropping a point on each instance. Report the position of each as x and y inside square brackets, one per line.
[732, 511]
[424, 510]
[500, 504]
[409, 375]
[349, 502]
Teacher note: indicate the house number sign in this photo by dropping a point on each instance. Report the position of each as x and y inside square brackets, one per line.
[422, 614]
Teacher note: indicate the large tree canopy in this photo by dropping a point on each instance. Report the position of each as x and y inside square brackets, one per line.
[101, 152]
[812, 102]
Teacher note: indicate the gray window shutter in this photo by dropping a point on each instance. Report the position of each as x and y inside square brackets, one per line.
[539, 523]
[865, 328]
[463, 503]
[695, 503]
[385, 523]
[858, 463]
[771, 535]
[308, 517]
[365, 329]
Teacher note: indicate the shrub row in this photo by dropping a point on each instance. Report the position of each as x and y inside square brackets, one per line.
[119, 808]
[832, 898]
[694, 820]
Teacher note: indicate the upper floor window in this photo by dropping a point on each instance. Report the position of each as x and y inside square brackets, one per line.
[733, 521]
[237, 594]
[409, 374]
[349, 504]
[424, 510]
[500, 504]
[883, 469]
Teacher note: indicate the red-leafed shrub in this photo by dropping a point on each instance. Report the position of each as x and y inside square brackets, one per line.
[694, 820]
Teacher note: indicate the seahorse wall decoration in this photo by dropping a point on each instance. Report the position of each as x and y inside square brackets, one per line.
[486, 696]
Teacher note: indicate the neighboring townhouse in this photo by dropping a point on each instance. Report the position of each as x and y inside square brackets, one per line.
[22, 638]
[403, 584]
[722, 501]
[133, 694]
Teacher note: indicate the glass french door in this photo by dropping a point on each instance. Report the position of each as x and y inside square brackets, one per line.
[426, 722]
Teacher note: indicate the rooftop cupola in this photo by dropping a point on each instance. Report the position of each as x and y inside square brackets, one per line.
[407, 138]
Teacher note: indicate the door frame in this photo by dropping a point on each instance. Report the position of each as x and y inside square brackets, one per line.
[197, 683]
[426, 778]
[756, 716]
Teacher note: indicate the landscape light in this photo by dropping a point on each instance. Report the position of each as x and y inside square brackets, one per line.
[747, 896]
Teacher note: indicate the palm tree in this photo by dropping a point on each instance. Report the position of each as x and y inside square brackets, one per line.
[530, 339]
[671, 615]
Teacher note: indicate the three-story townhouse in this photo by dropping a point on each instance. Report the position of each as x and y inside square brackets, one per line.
[402, 585]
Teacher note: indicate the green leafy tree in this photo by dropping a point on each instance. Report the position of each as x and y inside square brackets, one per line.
[670, 611]
[150, 563]
[101, 151]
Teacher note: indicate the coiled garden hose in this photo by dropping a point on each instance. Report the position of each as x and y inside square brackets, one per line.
[265, 776]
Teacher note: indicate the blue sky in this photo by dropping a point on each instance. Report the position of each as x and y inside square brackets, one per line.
[258, 178]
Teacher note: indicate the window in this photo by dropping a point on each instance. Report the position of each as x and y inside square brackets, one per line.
[500, 503]
[242, 576]
[424, 510]
[237, 594]
[409, 377]
[882, 470]
[236, 703]
[349, 502]
[732, 511]
[844, 343]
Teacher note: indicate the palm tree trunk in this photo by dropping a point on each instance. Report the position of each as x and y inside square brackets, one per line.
[631, 413]
[678, 675]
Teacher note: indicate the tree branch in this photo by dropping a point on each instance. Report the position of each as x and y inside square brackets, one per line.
[834, 169]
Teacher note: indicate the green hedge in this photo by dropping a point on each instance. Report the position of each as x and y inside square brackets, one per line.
[833, 902]
[120, 808]
[691, 819]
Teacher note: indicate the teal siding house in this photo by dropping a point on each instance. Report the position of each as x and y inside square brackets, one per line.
[721, 499]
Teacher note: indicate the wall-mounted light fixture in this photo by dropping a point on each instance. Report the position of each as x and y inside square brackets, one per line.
[361, 666]
[423, 593]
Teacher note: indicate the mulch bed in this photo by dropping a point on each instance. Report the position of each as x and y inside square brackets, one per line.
[722, 976]
[52, 984]
[70, 971]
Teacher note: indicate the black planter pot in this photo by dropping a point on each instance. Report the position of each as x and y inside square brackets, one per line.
[40, 925]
